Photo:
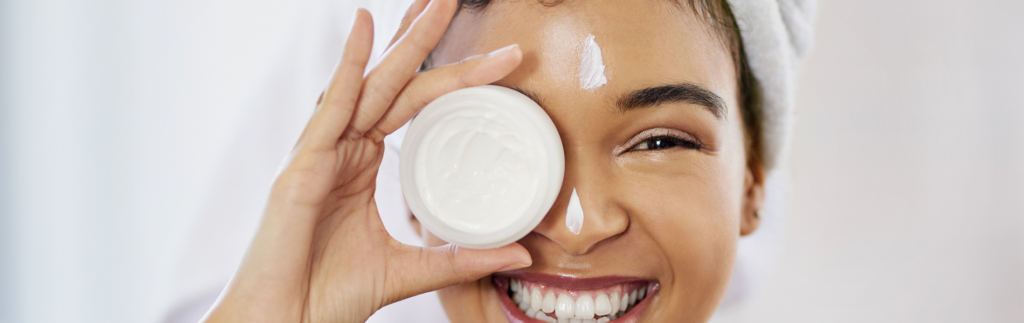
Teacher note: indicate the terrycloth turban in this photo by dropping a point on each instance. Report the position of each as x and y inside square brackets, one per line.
[776, 34]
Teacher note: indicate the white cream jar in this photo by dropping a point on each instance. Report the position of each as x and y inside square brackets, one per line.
[480, 167]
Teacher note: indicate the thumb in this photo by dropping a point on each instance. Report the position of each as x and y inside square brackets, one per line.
[421, 270]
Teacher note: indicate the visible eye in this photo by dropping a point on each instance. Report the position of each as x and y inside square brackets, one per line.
[664, 142]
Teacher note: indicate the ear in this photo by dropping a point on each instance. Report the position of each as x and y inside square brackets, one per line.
[753, 198]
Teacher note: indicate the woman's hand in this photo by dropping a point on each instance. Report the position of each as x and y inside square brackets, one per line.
[321, 253]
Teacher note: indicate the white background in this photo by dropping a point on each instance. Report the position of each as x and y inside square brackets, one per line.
[907, 163]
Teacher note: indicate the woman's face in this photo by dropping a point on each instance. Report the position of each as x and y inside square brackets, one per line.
[657, 157]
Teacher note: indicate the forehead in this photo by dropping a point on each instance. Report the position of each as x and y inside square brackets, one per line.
[643, 43]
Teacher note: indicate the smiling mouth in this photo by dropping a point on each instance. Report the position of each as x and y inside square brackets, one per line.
[535, 298]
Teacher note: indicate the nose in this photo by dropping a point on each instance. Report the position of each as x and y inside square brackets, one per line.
[603, 218]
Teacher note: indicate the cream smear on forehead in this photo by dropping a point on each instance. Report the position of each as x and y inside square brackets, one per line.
[574, 214]
[591, 65]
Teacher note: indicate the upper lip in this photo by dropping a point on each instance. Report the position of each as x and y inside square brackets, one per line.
[573, 283]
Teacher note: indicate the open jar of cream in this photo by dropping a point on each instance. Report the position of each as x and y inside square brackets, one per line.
[480, 167]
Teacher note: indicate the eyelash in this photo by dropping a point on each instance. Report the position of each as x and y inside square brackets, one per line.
[665, 141]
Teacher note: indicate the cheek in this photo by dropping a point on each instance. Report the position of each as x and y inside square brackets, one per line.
[688, 206]
[465, 302]
[688, 190]
[692, 211]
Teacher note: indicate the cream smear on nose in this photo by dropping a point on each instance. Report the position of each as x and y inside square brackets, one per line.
[591, 65]
[477, 171]
[574, 214]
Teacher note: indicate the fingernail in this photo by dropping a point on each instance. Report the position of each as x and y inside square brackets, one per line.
[355, 15]
[502, 50]
[514, 267]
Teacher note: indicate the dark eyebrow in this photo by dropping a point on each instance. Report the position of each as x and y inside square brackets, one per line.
[683, 92]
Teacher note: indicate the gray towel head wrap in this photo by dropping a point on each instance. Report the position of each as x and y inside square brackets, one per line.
[776, 34]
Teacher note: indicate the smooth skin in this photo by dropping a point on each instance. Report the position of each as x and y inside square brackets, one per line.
[673, 215]
[321, 253]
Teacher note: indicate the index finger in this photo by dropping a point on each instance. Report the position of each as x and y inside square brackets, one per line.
[390, 76]
[414, 10]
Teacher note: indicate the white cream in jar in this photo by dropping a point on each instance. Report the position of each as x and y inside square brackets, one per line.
[481, 166]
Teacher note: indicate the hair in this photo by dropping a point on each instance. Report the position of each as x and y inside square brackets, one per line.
[717, 14]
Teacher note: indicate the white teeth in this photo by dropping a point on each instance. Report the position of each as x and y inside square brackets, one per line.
[524, 301]
[584, 307]
[614, 300]
[531, 313]
[588, 307]
[536, 299]
[549, 303]
[565, 307]
[623, 304]
[521, 298]
[601, 305]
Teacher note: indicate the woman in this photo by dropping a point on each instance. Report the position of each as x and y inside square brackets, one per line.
[666, 157]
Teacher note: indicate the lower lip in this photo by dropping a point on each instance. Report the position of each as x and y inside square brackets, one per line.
[514, 315]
